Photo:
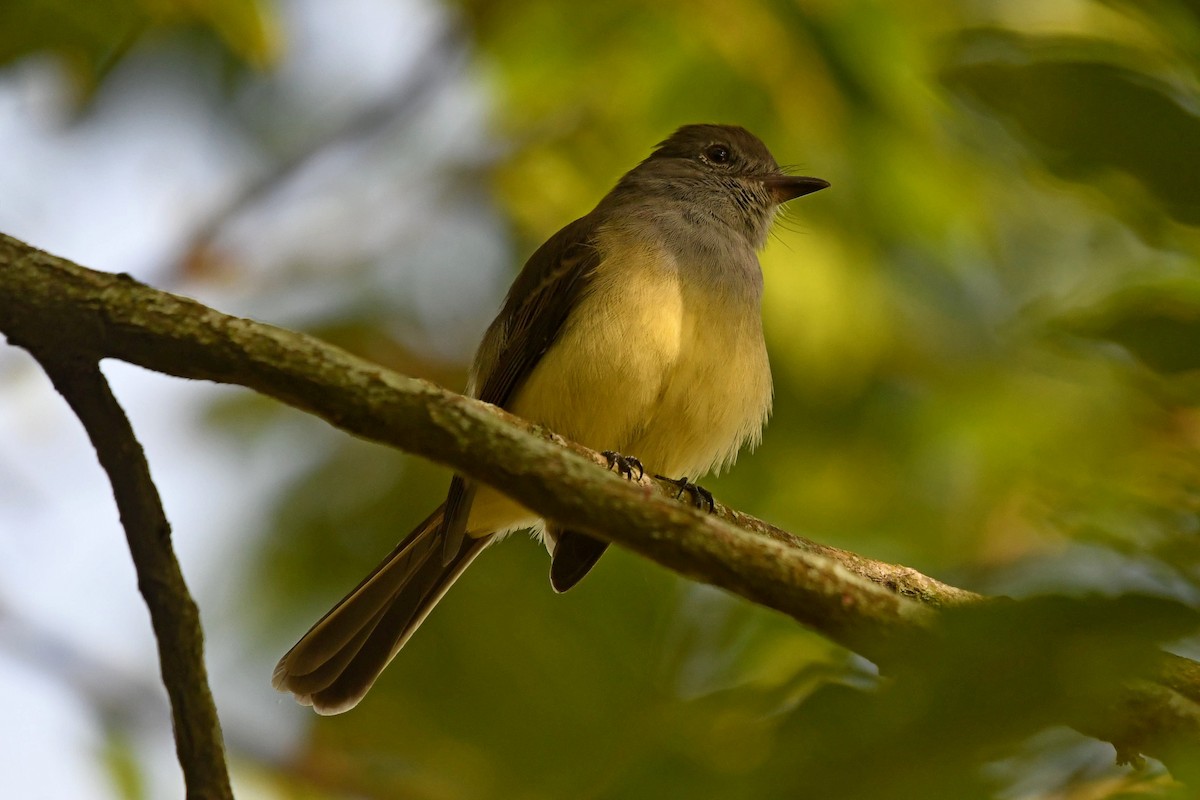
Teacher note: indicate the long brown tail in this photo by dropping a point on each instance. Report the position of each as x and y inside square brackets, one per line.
[337, 661]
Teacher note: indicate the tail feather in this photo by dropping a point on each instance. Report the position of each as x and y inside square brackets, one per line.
[338, 660]
[305, 684]
[574, 556]
[354, 612]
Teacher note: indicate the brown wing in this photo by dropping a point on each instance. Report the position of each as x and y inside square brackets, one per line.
[541, 299]
[549, 287]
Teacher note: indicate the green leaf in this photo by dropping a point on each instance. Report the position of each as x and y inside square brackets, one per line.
[1159, 325]
[1086, 116]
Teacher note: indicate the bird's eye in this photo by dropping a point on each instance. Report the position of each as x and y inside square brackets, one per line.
[717, 154]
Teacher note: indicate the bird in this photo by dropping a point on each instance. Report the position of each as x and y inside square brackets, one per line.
[635, 330]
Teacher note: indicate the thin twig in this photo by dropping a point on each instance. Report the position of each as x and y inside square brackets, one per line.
[173, 614]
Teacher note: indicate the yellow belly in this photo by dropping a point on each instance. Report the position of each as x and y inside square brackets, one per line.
[651, 367]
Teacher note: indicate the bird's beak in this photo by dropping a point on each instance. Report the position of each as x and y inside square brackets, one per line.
[789, 187]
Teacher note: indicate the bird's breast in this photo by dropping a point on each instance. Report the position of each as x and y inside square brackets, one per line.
[663, 359]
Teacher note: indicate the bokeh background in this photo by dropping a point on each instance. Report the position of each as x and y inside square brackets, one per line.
[985, 338]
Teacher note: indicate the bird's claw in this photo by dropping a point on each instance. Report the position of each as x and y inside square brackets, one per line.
[625, 464]
[701, 497]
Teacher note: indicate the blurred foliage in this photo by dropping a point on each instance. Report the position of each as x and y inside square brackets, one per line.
[118, 757]
[1160, 325]
[90, 38]
[993, 676]
[986, 343]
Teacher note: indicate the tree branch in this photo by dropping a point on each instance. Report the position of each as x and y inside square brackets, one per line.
[868, 606]
[173, 614]
[60, 305]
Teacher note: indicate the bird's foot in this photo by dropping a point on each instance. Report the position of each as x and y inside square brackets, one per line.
[701, 497]
[625, 465]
